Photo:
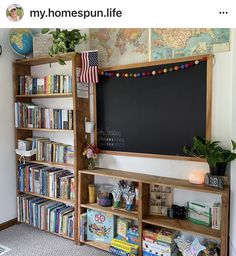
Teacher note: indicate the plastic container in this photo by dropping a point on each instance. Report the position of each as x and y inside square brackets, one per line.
[104, 195]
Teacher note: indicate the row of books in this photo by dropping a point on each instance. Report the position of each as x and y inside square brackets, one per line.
[29, 115]
[46, 180]
[49, 151]
[28, 85]
[46, 214]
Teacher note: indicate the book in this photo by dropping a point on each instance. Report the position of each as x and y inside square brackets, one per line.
[100, 226]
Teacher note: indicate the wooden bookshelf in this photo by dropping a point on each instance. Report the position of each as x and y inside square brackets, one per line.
[143, 216]
[80, 108]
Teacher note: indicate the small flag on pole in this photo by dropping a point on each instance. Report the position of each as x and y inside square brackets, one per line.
[89, 69]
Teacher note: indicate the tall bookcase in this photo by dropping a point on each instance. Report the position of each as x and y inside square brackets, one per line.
[80, 113]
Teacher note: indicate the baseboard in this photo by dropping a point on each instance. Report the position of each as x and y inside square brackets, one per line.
[8, 224]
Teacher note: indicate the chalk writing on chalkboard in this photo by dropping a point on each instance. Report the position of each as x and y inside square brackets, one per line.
[110, 138]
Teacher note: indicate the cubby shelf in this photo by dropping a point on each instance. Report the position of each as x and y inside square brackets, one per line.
[133, 215]
[182, 225]
[142, 216]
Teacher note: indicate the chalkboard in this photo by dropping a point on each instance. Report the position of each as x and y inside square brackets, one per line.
[152, 114]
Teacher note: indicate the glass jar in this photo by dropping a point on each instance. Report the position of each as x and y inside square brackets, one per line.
[104, 195]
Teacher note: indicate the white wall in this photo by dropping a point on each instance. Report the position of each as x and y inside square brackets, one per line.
[7, 141]
[233, 164]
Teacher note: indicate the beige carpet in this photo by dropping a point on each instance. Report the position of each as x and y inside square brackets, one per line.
[25, 240]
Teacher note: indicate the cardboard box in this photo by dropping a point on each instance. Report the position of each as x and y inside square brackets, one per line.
[125, 246]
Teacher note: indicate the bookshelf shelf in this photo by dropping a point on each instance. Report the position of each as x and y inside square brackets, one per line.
[182, 225]
[69, 202]
[44, 130]
[62, 165]
[54, 95]
[133, 215]
[34, 68]
[54, 233]
[143, 216]
[99, 245]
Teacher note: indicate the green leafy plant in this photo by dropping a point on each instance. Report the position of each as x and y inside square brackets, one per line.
[64, 41]
[212, 151]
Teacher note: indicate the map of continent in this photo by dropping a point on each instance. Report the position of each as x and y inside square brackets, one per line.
[120, 46]
[178, 42]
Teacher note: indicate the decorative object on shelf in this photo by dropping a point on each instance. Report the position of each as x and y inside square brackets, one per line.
[214, 181]
[162, 71]
[89, 69]
[21, 41]
[89, 126]
[41, 44]
[216, 156]
[199, 213]
[160, 199]
[64, 41]
[196, 177]
[92, 191]
[91, 151]
[104, 195]
[212, 249]
[116, 193]
[188, 248]
[177, 212]
[129, 198]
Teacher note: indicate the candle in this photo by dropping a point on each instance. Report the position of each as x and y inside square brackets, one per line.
[196, 177]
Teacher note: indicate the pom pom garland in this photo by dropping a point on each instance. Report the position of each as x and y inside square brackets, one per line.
[153, 72]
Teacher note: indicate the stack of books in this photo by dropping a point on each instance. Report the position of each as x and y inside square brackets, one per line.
[46, 214]
[49, 151]
[46, 180]
[28, 85]
[29, 115]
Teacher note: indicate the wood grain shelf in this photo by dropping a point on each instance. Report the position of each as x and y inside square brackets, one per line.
[182, 225]
[53, 95]
[46, 59]
[151, 179]
[99, 245]
[62, 165]
[118, 212]
[43, 130]
[49, 198]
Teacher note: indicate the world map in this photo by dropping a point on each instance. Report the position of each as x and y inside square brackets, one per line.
[176, 43]
[119, 46]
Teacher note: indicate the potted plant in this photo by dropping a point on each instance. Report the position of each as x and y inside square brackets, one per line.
[216, 156]
[64, 41]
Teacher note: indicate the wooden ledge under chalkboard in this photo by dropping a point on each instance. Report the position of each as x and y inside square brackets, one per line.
[120, 153]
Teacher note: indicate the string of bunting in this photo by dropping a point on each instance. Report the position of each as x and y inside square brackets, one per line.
[154, 72]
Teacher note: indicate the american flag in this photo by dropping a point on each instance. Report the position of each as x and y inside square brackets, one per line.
[89, 69]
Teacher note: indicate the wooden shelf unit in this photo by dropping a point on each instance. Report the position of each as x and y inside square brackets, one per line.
[80, 112]
[143, 216]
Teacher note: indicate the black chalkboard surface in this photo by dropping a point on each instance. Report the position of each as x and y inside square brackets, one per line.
[153, 114]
